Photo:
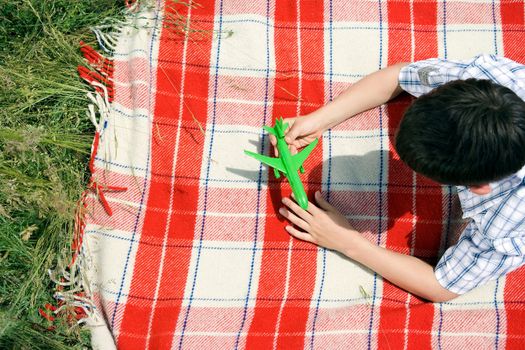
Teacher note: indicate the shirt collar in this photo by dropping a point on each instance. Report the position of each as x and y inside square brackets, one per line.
[473, 204]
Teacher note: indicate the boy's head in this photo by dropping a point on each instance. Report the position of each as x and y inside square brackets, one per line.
[466, 132]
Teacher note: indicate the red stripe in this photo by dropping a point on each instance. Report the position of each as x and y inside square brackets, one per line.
[269, 309]
[514, 296]
[404, 46]
[94, 76]
[295, 314]
[393, 314]
[180, 227]
[513, 25]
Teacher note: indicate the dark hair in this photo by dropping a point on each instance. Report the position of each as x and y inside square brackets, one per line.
[465, 132]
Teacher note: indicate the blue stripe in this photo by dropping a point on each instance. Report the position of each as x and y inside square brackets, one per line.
[343, 302]
[516, 247]
[486, 72]
[487, 226]
[355, 27]
[349, 27]
[485, 201]
[182, 245]
[142, 197]
[340, 301]
[129, 53]
[496, 340]
[263, 70]
[208, 167]
[494, 28]
[445, 54]
[465, 270]
[259, 179]
[380, 191]
[121, 112]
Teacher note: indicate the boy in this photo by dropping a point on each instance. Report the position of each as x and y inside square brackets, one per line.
[467, 128]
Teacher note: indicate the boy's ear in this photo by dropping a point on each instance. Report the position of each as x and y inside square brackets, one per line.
[480, 189]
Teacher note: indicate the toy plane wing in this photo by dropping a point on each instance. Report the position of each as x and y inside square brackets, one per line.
[300, 157]
[275, 163]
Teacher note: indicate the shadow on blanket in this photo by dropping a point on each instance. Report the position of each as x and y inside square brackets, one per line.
[438, 235]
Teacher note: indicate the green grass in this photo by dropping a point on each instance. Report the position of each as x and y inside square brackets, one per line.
[45, 139]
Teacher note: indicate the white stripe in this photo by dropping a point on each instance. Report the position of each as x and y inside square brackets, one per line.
[131, 83]
[290, 244]
[253, 215]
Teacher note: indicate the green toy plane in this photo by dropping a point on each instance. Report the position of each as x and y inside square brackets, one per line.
[286, 163]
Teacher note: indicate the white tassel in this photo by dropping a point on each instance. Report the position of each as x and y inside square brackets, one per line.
[105, 102]
[92, 116]
[102, 105]
[107, 41]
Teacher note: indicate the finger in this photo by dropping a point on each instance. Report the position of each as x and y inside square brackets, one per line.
[289, 122]
[312, 209]
[293, 150]
[322, 202]
[292, 134]
[301, 143]
[300, 212]
[273, 140]
[300, 235]
[294, 219]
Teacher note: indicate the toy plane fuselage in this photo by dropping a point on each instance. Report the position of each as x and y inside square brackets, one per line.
[286, 163]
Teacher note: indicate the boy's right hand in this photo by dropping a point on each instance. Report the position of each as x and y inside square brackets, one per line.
[301, 132]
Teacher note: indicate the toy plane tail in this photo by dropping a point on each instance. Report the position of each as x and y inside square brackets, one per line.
[270, 130]
[279, 128]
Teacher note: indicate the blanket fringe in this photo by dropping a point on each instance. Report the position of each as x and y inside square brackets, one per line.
[107, 33]
[72, 293]
[101, 77]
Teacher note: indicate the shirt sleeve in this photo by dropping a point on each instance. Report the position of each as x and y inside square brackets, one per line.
[421, 77]
[475, 260]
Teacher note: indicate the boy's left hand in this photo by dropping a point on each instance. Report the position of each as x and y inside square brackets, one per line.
[323, 225]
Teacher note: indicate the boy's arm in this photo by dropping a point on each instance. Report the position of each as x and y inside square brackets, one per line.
[373, 90]
[405, 271]
[325, 226]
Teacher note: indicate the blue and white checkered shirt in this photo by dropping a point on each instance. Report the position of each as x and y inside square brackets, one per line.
[493, 243]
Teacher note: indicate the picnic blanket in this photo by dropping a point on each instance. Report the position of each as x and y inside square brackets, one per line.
[179, 243]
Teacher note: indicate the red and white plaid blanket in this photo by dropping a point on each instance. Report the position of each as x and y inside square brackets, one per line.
[182, 247]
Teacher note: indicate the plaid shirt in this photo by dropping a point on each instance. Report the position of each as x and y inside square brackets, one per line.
[493, 243]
